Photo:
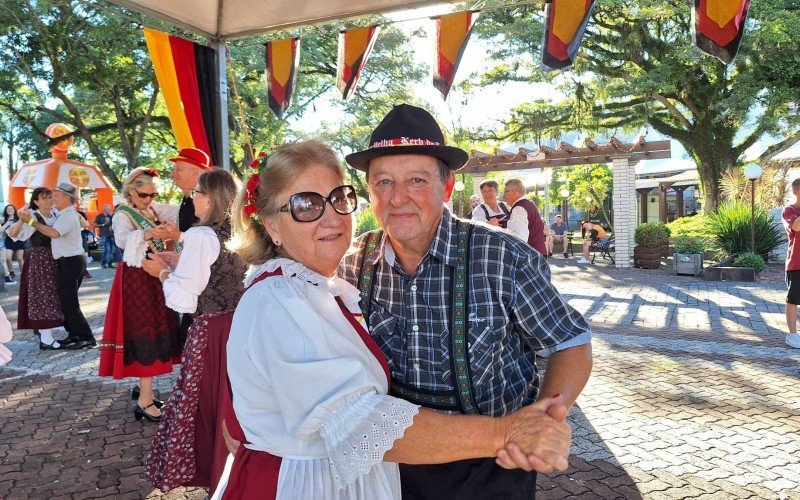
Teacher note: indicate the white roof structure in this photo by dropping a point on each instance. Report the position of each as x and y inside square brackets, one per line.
[225, 19]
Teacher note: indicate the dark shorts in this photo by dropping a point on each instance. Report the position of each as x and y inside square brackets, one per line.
[793, 283]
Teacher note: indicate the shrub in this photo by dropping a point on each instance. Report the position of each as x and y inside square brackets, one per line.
[366, 221]
[750, 259]
[730, 225]
[651, 234]
[687, 244]
[695, 226]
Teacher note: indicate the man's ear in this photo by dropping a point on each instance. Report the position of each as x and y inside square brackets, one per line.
[448, 186]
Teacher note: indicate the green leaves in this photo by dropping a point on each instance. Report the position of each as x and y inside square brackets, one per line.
[731, 228]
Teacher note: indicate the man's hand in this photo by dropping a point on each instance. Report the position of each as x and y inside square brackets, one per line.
[166, 231]
[537, 438]
[494, 221]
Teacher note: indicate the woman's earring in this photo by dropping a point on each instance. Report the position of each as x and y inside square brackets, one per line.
[277, 242]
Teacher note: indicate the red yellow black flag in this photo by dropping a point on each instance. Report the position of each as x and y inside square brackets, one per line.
[452, 35]
[718, 26]
[282, 59]
[355, 46]
[565, 24]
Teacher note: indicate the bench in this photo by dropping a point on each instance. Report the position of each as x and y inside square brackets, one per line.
[604, 249]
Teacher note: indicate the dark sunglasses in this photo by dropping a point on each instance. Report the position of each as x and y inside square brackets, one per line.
[152, 196]
[308, 207]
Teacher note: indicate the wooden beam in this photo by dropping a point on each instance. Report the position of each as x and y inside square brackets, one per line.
[473, 166]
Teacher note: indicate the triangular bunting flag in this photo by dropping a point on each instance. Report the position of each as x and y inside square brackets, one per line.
[282, 59]
[718, 26]
[565, 24]
[452, 35]
[355, 46]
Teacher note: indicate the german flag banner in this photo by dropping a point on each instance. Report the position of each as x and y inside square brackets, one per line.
[186, 75]
[718, 26]
[282, 59]
[355, 46]
[452, 35]
[565, 24]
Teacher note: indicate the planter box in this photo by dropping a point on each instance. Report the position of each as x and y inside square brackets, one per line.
[646, 257]
[665, 250]
[718, 273]
[688, 263]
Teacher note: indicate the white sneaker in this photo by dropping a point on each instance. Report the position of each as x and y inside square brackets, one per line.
[793, 340]
[583, 261]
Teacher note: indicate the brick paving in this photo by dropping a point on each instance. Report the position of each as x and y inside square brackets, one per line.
[693, 395]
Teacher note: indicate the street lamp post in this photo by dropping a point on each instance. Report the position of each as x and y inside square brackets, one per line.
[752, 172]
[458, 188]
[564, 195]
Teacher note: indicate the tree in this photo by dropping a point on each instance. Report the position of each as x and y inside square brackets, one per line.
[589, 188]
[637, 66]
[72, 62]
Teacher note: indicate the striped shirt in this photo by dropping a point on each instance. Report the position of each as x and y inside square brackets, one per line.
[514, 313]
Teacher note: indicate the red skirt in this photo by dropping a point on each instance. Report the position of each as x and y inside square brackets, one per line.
[141, 335]
[254, 476]
[38, 299]
[188, 448]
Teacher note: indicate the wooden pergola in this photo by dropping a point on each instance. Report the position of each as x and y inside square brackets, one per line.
[622, 156]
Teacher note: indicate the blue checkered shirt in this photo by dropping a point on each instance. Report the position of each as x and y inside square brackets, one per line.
[514, 312]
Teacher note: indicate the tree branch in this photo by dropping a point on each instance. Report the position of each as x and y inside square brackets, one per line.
[779, 147]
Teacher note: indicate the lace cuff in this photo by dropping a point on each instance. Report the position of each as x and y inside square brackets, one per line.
[358, 435]
[135, 249]
[177, 299]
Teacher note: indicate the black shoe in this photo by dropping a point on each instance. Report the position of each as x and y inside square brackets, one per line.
[36, 332]
[67, 341]
[156, 402]
[550, 254]
[50, 347]
[10, 281]
[139, 412]
[111, 266]
[566, 255]
[82, 344]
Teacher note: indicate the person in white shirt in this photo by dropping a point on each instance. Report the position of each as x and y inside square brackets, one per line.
[67, 248]
[524, 222]
[309, 384]
[491, 211]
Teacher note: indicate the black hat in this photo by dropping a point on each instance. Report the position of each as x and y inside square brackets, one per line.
[408, 130]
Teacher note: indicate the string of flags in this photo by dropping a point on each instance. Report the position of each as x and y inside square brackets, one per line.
[717, 29]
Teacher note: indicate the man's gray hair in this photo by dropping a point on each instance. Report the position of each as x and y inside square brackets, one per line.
[69, 190]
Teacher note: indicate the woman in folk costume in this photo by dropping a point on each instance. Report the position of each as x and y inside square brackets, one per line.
[39, 308]
[309, 384]
[207, 282]
[141, 337]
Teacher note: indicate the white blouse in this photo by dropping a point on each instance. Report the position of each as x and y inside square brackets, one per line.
[479, 215]
[183, 286]
[26, 231]
[127, 236]
[307, 389]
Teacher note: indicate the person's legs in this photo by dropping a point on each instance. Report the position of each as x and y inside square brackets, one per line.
[68, 279]
[19, 255]
[548, 243]
[8, 255]
[108, 251]
[586, 245]
[792, 299]
[146, 396]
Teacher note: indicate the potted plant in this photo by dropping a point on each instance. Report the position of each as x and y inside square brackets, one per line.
[742, 267]
[649, 237]
[688, 256]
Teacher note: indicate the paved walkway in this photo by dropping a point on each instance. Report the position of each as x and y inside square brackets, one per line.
[693, 395]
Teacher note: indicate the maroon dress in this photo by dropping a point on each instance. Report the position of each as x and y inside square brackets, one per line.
[38, 299]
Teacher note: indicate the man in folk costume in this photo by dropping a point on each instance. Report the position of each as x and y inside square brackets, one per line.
[524, 222]
[460, 310]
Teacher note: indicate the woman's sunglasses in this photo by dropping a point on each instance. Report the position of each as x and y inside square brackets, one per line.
[308, 207]
[143, 196]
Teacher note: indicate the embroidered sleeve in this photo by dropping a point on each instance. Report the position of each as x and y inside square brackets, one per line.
[359, 434]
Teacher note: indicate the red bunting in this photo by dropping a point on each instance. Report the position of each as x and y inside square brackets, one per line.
[282, 59]
[452, 35]
[565, 24]
[718, 26]
[355, 47]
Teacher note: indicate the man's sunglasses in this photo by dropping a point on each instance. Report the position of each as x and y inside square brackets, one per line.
[308, 206]
[152, 196]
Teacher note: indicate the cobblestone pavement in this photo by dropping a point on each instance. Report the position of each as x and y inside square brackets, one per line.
[693, 395]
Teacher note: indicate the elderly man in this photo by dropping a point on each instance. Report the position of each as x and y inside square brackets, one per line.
[491, 210]
[67, 248]
[459, 310]
[524, 221]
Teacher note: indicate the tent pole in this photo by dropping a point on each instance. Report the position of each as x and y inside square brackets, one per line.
[223, 141]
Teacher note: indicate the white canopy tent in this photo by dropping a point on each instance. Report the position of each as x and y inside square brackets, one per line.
[220, 20]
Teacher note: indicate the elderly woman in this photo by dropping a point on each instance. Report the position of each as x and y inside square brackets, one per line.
[207, 281]
[309, 384]
[39, 308]
[140, 335]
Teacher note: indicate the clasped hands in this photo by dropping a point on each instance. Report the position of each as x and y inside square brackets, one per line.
[157, 262]
[537, 437]
[24, 214]
[166, 231]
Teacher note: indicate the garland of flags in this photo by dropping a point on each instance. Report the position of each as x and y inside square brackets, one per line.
[185, 69]
[185, 72]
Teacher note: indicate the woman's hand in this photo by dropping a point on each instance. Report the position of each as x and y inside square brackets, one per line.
[230, 443]
[153, 265]
[171, 258]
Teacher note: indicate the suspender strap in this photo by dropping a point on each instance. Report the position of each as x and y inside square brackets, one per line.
[459, 352]
[366, 277]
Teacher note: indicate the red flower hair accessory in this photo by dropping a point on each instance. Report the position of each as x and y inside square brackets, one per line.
[251, 190]
[147, 171]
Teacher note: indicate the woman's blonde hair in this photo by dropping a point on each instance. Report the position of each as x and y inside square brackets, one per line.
[250, 239]
[139, 177]
[220, 188]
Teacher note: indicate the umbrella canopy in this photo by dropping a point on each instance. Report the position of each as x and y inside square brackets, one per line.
[223, 19]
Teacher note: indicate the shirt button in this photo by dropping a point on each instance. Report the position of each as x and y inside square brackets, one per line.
[413, 288]
[415, 328]
[416, 366]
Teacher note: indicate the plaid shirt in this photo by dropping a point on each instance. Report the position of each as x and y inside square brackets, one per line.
[514, 313]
